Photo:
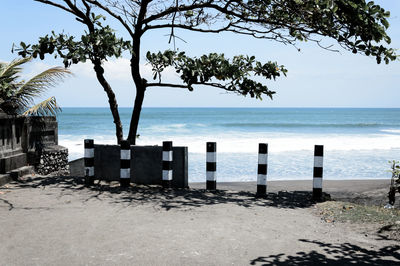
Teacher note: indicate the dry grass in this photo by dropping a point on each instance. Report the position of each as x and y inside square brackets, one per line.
[386, 220]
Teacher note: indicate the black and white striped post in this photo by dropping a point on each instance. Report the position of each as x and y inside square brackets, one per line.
[262, 169]
[125, 171]
[89, 161]
[167, 164]
[318, 171]
[211, 166]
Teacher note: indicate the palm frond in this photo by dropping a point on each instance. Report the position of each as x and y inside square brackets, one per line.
[9, 71]
[41, 82]
[44, 108]
[17, 95]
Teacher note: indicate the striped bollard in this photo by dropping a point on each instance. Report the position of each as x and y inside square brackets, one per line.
[211, 166]
[262, 169]
[89, 161]
[167, 164]
[125, 171]
[318, 170]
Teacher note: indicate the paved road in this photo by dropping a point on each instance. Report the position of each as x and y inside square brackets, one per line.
[58, 221]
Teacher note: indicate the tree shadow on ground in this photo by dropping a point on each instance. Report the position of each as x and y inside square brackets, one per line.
[389, 232]
[166, 199]
[335, 254]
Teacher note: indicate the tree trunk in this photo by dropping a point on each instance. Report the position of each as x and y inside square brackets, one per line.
[140, 83]
[140, 90]
[111, 99]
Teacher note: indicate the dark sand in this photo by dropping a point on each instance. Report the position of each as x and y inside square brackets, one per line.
[369, 192]
[59, 221]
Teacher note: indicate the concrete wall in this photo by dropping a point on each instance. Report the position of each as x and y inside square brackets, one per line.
[22, 134]
[39, 132]
[11, 148]
[146, 164]
[22, 140]
[11, 134]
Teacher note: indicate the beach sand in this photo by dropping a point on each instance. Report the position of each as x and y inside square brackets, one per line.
[58, 221]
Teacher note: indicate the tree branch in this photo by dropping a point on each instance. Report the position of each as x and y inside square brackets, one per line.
[175, 9]
[56, 5]
[186, 27]
[212, 84]
[119, 18]
[167, 85]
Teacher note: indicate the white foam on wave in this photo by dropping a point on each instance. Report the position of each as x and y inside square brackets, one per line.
[394, 131]
[351, 156]
[75, 144]
[168, 128]
[294, 166]
[248, 142]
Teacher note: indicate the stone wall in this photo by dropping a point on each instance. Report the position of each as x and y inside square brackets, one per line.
[52, 159]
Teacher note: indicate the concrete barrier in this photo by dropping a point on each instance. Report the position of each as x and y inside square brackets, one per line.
[318, 172]
[125, 170]
[211, 165]
[262, 169]
[89, 161]
[146, 164]
[167, 164]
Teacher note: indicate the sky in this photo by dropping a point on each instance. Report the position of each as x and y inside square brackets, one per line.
[316, 77]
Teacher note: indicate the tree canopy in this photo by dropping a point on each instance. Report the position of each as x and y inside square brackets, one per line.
[356, 25]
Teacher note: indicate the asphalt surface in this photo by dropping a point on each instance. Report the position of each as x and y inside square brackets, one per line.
[58, 221]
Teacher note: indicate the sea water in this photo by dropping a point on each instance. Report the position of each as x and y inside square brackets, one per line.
[358, 143]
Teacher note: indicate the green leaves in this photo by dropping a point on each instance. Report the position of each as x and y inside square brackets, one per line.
[97, 45]
[357, 25]
[236, 75]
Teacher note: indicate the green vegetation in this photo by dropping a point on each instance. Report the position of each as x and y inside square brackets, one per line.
[356, 25]
[203, 70]
[17, 96]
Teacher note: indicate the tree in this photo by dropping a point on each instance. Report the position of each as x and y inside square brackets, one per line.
[356, 25]
[17, 96]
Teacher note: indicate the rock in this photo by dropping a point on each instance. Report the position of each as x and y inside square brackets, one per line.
[53, 159]
[388, 206]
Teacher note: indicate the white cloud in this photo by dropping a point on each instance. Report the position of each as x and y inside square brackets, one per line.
[83, 69]
[119, 70]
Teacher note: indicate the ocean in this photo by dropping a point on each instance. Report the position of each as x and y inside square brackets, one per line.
[358, 143]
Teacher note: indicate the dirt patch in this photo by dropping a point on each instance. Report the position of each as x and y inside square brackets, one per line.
[377, 220]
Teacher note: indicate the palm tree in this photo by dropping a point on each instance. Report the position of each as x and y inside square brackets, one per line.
[17, 96]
